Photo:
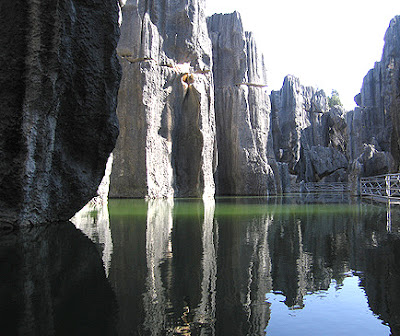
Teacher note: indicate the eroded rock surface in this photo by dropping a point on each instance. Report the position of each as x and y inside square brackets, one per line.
[374, 125]
[308, 136]
[59, 78]
[165, 102]
[242, 108]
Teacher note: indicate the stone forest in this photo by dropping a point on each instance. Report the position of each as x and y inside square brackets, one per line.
[194, 114]
[161, 121]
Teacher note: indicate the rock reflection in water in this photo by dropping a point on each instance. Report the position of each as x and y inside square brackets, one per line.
[94, 219]
[198, 268]
[158, 248]
[381, 276]
[164, 267]
[309, 250]
[244, 274]
[206, 310]
[180, 297]
[381, 282]
[128, 268]
[53, 282]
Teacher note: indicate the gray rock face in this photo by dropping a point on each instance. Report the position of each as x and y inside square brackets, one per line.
[370, 162]
[369, 123]
[374, 162]
[391, 62]
[308, 136]
[165, 102]
[320, 162]
[59, 78]
[374, 125]
[242, 109]
[297, 114]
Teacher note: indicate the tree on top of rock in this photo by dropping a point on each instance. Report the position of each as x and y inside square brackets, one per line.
[334, 99]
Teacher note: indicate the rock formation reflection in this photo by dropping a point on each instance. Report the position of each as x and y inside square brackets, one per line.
[53, 282]
[381, 281]
[206, 310]
[309, 250]
[381, 276]
[94, 219]
[198, 268]
[244, 274]
[158, 248]
[128, 266]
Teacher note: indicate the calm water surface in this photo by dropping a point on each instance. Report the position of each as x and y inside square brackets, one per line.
[236, 266]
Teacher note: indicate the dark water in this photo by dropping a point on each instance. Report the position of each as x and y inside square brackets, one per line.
[278, 266]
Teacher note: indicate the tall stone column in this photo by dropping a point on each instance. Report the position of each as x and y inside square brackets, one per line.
[165, 103]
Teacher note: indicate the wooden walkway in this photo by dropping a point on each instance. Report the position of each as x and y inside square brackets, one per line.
[382, 188]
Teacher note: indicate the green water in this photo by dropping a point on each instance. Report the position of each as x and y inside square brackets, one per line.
[234, 266]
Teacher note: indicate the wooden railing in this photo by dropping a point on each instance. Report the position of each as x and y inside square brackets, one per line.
[382, 187]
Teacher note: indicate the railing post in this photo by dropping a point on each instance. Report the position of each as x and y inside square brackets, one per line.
[387, 179]
[388, 217]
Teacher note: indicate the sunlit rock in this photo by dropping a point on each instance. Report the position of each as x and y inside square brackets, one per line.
[242, 108]
[308, 136]
[321, 163]
[296, 108]
[165, 102]
[376, 121]
[370, 162]
[59, 80]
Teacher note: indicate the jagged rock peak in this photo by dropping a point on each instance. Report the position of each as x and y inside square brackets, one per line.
[58, 101]
[294, 108]
[308, 136]
[239, 59]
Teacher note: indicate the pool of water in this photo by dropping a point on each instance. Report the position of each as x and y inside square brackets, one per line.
[234, 266]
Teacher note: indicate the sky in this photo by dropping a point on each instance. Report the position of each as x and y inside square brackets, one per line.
[327, 44]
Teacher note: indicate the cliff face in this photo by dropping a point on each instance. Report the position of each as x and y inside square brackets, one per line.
[308, 136]
[59, 78]
[242, 109]
[391, 62]
[165, 102]
[374, 126]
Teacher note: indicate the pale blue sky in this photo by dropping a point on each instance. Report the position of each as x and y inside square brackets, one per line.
[327, 44]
